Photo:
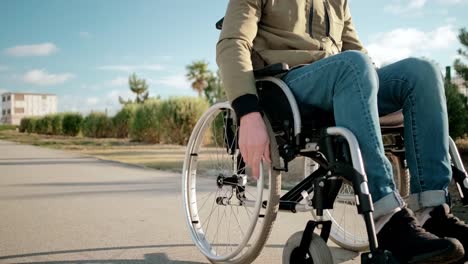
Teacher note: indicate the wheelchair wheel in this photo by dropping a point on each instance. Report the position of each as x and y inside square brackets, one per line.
[229, 214]
[400, 174]
[348, 227]
[319, 252]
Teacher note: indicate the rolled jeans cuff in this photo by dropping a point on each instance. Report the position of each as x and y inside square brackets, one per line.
[418, 201]
[388, 204]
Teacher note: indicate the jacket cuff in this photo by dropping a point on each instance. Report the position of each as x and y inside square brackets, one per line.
[245, 104]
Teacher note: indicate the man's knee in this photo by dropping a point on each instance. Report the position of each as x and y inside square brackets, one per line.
[360, 60]
[421, 69]
[361, 67]
[424, 74]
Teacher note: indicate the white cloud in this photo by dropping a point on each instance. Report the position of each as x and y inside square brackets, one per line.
[92, 101]
[450, 20]
[452, 2]
[85, 34]
[43, 78]
[405, 42]
[3, 68]
[119, 81]
[175, 81]
[2, 91]
[413, 6]
[43, 49]
[132, 68]
[108, 102]
[404, 6]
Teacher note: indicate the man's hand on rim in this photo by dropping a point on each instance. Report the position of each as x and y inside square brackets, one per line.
[254, 143]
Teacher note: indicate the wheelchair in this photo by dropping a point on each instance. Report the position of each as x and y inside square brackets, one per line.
[230, 215]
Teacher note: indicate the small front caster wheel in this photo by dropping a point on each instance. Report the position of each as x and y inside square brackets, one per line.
[318, 252]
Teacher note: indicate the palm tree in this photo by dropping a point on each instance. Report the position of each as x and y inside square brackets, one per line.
[139, 87]
[199, 75]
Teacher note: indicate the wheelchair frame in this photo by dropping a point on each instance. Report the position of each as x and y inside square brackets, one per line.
[324, 184]
[337, 151]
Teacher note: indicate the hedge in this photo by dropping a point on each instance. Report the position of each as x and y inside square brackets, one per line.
[97, 125]
[168, 121]
[146, 123]
[71, 124]
[178, 117]
[122, 121]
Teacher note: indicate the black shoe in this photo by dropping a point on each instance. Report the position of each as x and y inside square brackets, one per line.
[410, 243]
[443, 224]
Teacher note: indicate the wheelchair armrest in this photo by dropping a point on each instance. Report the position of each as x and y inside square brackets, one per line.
[271, 70]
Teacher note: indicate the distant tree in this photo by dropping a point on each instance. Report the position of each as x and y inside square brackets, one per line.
[139, 87]
[205, 82]
[199, 75]
[457, 110]
[214, 92]
[460, 67]
[457, 103]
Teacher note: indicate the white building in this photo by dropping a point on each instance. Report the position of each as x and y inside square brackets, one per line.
[15, 106]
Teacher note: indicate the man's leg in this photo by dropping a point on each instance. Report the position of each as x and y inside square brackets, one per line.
[347, 84]
[416, 86]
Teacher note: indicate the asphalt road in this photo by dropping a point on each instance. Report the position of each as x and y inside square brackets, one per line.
[58, 207]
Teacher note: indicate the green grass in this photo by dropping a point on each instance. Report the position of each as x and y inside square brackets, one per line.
[7, 127]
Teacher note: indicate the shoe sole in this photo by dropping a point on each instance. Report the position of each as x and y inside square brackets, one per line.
[449, 255]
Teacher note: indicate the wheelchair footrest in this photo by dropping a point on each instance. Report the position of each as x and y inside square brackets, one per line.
[378, 257]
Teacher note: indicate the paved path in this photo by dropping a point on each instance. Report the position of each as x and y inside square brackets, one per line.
[58, 207]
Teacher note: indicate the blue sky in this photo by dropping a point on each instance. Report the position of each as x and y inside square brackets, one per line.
[84, 50]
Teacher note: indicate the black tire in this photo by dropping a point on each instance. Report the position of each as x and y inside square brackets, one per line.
[319, 252]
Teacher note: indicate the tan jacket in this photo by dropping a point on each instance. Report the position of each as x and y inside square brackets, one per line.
[260, 32]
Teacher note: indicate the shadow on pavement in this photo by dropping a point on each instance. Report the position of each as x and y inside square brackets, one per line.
[157, 258]
[148, 257]
[28, 162]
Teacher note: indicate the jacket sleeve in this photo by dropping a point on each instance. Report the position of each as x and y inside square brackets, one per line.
[350, 38]
[233, 54]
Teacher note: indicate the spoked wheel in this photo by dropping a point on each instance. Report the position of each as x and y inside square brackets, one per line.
[400, 174]
[229, 214]
[348, 228]
[318, 251]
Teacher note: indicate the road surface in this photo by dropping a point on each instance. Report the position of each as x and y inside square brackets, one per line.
[59, 207]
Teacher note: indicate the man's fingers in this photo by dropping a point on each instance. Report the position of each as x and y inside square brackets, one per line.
[256, 168]
[244, 154]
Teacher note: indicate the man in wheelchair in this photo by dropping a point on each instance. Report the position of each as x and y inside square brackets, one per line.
[331, 71]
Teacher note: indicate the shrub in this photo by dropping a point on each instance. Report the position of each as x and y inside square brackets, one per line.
[41, 126]
[44, 125]
[31, 127]
[123, 120]
[24, 123]
[97, 125]
[56, 124]
[145, 126]
[71, 124]
[178, 118]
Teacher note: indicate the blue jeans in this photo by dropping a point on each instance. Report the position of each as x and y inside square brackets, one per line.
[357, 93]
